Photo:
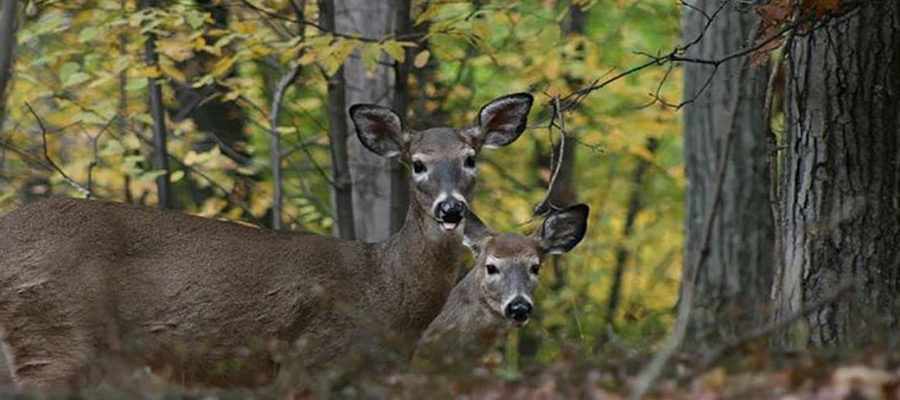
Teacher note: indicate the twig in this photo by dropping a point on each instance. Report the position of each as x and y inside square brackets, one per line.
[544, 205]
[85, 191]
[309, 155]
[775, 326]
[95, 159]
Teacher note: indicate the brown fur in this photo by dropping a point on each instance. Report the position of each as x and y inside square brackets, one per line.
[86, 280]
[473, 319]
[81, 279]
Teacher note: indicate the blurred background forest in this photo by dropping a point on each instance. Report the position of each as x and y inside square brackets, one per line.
[739, 157]
[81, 67]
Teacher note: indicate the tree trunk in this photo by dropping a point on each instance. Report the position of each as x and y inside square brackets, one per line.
[8, 11]
[635, 204]
[157, 113]
[735, 281]
[840, 218]
[338, 130]
[376, 181]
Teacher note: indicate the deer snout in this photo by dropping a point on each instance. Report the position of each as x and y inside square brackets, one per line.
[450, 212]
[519, 309]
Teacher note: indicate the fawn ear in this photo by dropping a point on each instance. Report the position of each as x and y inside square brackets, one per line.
[475, 233]
[563, 229]
[501, 121]
[378, 128]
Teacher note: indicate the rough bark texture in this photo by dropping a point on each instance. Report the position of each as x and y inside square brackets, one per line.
[841, 171]
[735, 281]
[338, 131]
[376, 180]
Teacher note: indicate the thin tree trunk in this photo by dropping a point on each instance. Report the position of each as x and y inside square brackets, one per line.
[840, 217]
[281, 88]
[635, 204]
[8, 27]
[157, 113]
[735, 282]
[342, 192]
[122, 106]
[375, 179]
[399, 180]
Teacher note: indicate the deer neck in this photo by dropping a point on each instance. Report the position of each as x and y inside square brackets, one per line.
[422, 260]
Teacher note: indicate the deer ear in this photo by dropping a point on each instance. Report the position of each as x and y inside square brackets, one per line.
[475, 233]
[378, 128]
[563, 229]
[501, 121]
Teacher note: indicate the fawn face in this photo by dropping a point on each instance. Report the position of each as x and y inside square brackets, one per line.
[507, 265]
[442, 159]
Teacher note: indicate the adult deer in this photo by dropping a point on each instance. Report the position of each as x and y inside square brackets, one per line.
[496, 294]
[82, 280]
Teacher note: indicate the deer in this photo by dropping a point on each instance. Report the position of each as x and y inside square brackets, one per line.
[82, 280]
[496, 295]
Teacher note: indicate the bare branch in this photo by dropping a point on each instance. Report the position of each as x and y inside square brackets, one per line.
[544, 205]
[66, 178]
[94, 158]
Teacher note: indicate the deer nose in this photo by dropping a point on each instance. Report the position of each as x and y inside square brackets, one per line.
[451, 210]
[519, 309]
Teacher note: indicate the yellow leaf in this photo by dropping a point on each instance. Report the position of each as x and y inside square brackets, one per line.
[222, 66]
[175, 48]
[150, 71]
[422, 58]
[198, 43]
[171, 71]
[428, 13]
[395, 50]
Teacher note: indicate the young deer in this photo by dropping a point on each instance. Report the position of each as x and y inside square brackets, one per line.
[86, 280]
[497, 293]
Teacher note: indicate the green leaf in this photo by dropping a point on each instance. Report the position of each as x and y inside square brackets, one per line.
[370, 54]
[136, 84]
[76, 78]
[87, 34]
[67, 70]
[395, 50]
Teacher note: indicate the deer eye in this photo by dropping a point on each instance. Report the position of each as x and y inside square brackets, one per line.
[492, 269]
[470, 162]
[535, 268]
[418, 167]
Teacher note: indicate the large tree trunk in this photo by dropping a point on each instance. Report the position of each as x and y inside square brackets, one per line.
[735, 281]
[841, 195]
[378, 207]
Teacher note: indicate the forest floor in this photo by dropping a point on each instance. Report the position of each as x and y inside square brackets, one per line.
[862, 375]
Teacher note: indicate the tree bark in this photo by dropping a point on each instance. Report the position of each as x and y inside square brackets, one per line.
[157, 113]
[735, 281]
[8, 27]
[840, 217]
[342, 192]
[376, 180]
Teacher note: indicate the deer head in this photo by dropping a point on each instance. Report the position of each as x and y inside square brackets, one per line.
[442, 159]
[507, 265]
